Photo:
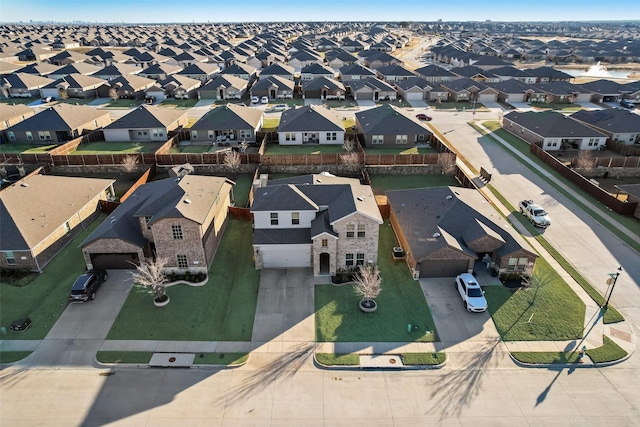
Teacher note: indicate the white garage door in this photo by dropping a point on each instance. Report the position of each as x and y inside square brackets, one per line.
[286, 256]
[487, 97]
[52, 92]
[414, 96]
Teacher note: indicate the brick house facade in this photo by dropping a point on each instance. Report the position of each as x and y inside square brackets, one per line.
[178, 219]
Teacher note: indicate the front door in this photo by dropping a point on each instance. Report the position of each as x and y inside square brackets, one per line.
[324, 263]
[221, 94]
[376, 96]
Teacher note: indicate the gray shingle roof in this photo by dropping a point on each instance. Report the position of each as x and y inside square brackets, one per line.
[610, 121]
[448, 211]
[60, 117]
[389, 120]
[229, 116]
[147, 117]
[310, 118]
[551, 124]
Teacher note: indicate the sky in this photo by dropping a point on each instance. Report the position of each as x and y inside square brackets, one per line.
[187, 11]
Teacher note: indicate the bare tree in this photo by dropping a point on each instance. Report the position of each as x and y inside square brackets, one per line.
[367, 284]
[447, 161]
[150, 274]
[536, 280]
[349, 145]
[232, 159]
[113, 93]
[350, 160]
[129, 163]
[585, 160]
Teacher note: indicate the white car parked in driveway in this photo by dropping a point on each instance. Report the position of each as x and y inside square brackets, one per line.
[471, 293]
[264, 100]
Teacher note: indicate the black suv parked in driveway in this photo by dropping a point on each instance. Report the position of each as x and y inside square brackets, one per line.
[86, 285]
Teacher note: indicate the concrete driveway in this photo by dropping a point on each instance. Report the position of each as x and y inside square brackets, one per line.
[78, 334]
[285, 309]
[456, 326]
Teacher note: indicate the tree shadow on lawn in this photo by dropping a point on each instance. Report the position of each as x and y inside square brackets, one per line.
[221, 310]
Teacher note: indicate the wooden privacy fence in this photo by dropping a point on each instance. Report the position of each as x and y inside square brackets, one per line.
[616, 205]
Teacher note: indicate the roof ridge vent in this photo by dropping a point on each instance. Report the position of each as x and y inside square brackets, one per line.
[436, 234]
[187, 201]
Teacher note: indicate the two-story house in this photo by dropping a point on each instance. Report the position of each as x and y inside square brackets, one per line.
[179, 219]
[320, 221]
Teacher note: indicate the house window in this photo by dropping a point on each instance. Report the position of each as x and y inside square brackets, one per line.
[325, 243]
[10, 257]
[361, 230]
[274, 218]
[12, 136]
[289, 136]
[182, 261]
[377, 139]
[359, 259]
[348, 260]
[295, 218]
[401, 139]
[512, 264]
[194, 134]
[67, 227]
[245, 133]
[210, 134]
[142, 133]
[351, 230]
[176, 230]
[332, 136]
[147, 219]
[160, 132]
[29, 135]
[44, 135]
[522, 264]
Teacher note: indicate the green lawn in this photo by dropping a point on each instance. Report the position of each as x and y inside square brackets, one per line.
[382, 183]
[75, 101]
[459, 106]
[123, 103]
[45, 298]
[221, 310]
[223, 359]
[611, 315]
[304, 149]
[555, 313]
[179, 103]
[608, 352]
[11, 101]
[558, 106]
[338, 318]
[13, 356]
[242, 189]
[400, 150]
[423, 358]
[117, 147]
[332, 359]
[196, 149]
[24, 148]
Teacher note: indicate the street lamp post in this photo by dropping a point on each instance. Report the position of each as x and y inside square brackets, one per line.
[613, 278]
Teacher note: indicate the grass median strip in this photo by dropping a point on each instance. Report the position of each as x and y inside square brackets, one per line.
[353, 359]
[608, 352]
[611, 315]
[13, 356]
[142, 357]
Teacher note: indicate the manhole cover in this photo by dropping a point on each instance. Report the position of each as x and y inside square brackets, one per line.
[392, 361]
[172, 359]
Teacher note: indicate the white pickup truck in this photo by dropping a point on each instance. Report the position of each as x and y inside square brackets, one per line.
[534, 213]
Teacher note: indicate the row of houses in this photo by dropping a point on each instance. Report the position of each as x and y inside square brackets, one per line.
[323, 222]
[228, 124]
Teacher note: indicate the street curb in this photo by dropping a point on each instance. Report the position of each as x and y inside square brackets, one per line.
[568, 365]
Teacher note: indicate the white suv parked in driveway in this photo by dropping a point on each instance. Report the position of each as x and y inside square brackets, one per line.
[471, 293]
